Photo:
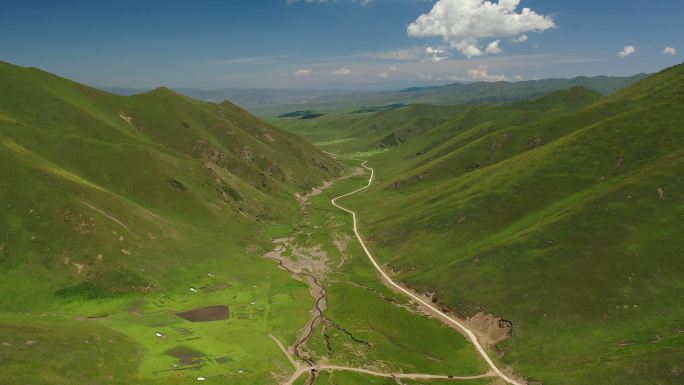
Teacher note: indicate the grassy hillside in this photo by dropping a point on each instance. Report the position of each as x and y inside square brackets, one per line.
[119, 211]
[423, 126]
[562, 215]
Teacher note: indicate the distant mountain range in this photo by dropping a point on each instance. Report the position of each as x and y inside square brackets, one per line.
[457, 93]
[272, 101]
[506, 92]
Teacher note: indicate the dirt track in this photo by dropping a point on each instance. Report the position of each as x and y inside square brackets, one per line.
[300, 369]
[470, 335]
[313, 368]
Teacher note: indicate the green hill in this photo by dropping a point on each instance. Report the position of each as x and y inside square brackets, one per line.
[112, 204]
[561, 215]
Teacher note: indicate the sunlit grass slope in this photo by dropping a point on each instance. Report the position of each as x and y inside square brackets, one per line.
[116, 207]
[562, 215]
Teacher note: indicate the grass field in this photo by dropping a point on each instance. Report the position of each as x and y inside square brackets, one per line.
[146, 332]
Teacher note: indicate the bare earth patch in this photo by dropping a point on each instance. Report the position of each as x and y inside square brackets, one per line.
[128, 119]
[186, 356]
[341, 241]
[309, 267]
[490, 330]
[206, 314]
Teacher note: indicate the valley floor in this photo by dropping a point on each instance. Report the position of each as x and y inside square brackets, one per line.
[350, 335]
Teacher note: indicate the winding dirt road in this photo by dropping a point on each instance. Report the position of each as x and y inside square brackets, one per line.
[436, 312]
[300, 369]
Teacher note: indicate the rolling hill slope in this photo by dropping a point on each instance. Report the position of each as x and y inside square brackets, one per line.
[81, 164]
[560, 215]
[112, 204]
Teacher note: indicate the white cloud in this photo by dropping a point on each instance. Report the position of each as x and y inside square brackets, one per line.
[393, 68]
[383, 75]
[303, 72]
[436, 55]
[342, 72]
[493, 48]
[471, 51]
[428, 54]
[670, 51]
[463, 23]
[520, 39]
[628, 50]
[403, 54]
[421, 75]
[481, 73]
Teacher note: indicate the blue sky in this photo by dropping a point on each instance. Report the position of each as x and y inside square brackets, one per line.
[338, 43]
